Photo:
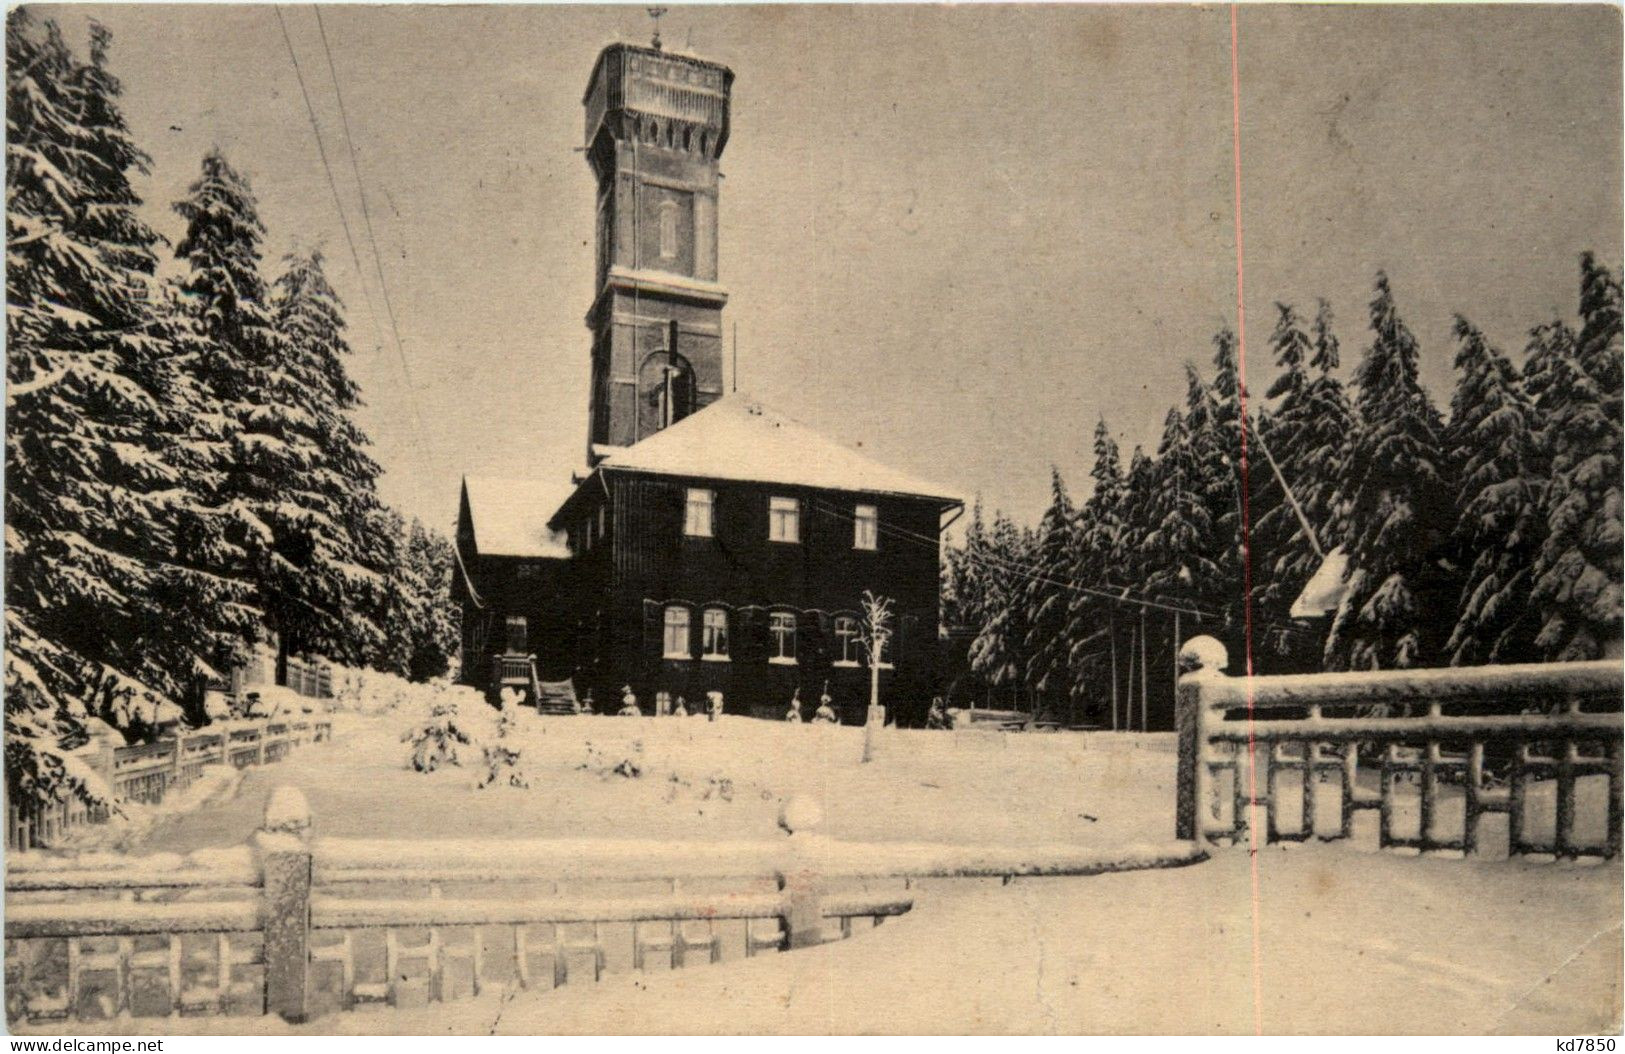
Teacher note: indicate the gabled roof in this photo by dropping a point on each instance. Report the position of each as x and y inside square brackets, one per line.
[510, 515]
[738, 438]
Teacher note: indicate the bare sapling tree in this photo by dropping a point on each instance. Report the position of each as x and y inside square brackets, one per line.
[875, 634]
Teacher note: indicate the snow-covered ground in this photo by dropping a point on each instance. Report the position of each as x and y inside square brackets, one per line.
[703, 780]
[1348, 939]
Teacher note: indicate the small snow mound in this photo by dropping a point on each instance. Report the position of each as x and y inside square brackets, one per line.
[801, 813]
[287, 812]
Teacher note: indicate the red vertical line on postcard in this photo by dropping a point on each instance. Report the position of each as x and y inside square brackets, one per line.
[1246, 527]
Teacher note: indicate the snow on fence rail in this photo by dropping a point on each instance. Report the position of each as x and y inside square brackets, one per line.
[147, 772]
[248, 929]
[1503, 734]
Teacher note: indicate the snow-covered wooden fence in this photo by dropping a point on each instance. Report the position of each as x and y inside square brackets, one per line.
[1471, 741]
[297, 925]
[147, 772]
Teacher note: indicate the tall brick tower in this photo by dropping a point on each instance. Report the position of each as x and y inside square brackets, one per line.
[657, 123]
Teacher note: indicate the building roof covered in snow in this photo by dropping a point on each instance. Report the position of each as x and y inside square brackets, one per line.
[1323, 593]
[738, 438]
[509, 516]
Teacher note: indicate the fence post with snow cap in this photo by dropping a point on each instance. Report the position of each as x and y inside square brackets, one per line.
[1201, 658]
[800, 878]
[282, 846]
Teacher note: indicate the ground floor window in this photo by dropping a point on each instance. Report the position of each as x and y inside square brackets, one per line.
[846, 636]
[782, 627]
[714, 643]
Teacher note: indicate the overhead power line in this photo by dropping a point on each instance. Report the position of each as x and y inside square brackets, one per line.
[366, 216]
[321, 150]
[1105, 592]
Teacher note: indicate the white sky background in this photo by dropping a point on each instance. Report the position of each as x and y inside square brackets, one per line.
[955, 235]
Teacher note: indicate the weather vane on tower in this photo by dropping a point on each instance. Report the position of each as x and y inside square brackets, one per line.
[655, 13]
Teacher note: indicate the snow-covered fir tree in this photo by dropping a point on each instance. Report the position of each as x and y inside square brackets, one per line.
[285, 499]
[1307, 434]
[1397, 511]
[1177, 544]
[999, 652]
[420, 625]
[1098, 540]
[963, 600]
[1498, 529]
[106, 618]
[344, 577]
[1577, 574]
[1048, 597]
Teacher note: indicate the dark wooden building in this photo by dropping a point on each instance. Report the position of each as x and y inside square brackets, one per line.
[711, 544]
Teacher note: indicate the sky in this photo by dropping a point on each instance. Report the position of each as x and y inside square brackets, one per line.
[955, 236]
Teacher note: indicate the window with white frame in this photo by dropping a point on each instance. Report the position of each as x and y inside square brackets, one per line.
[714, 639]
[676, 639]
[697, 512]
[865, 526]
[846, 636]
[782, 627]
[783, 520]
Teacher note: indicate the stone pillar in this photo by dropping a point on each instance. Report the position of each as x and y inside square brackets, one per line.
[1202, 658]
[801, 879]
[282, 846]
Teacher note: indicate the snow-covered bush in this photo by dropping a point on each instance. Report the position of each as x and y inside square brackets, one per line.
[501, 761]
[372, 692]
[436, 741]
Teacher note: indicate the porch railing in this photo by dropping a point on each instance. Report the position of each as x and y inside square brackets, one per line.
[1513, 740]
[259, 923]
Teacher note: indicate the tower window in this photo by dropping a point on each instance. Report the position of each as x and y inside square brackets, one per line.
[865, 527]
[697, 512]
[782, 626]
[676, 638]
[668, 229]
[714, 642]
[783, 520]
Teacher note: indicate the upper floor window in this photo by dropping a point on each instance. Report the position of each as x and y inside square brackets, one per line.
[714, 642]
[846, 636]
[784, 519]
[865, 527]
[676, 638]
[518, 634]
[782, 627]
[668, 229]
[697, 512]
